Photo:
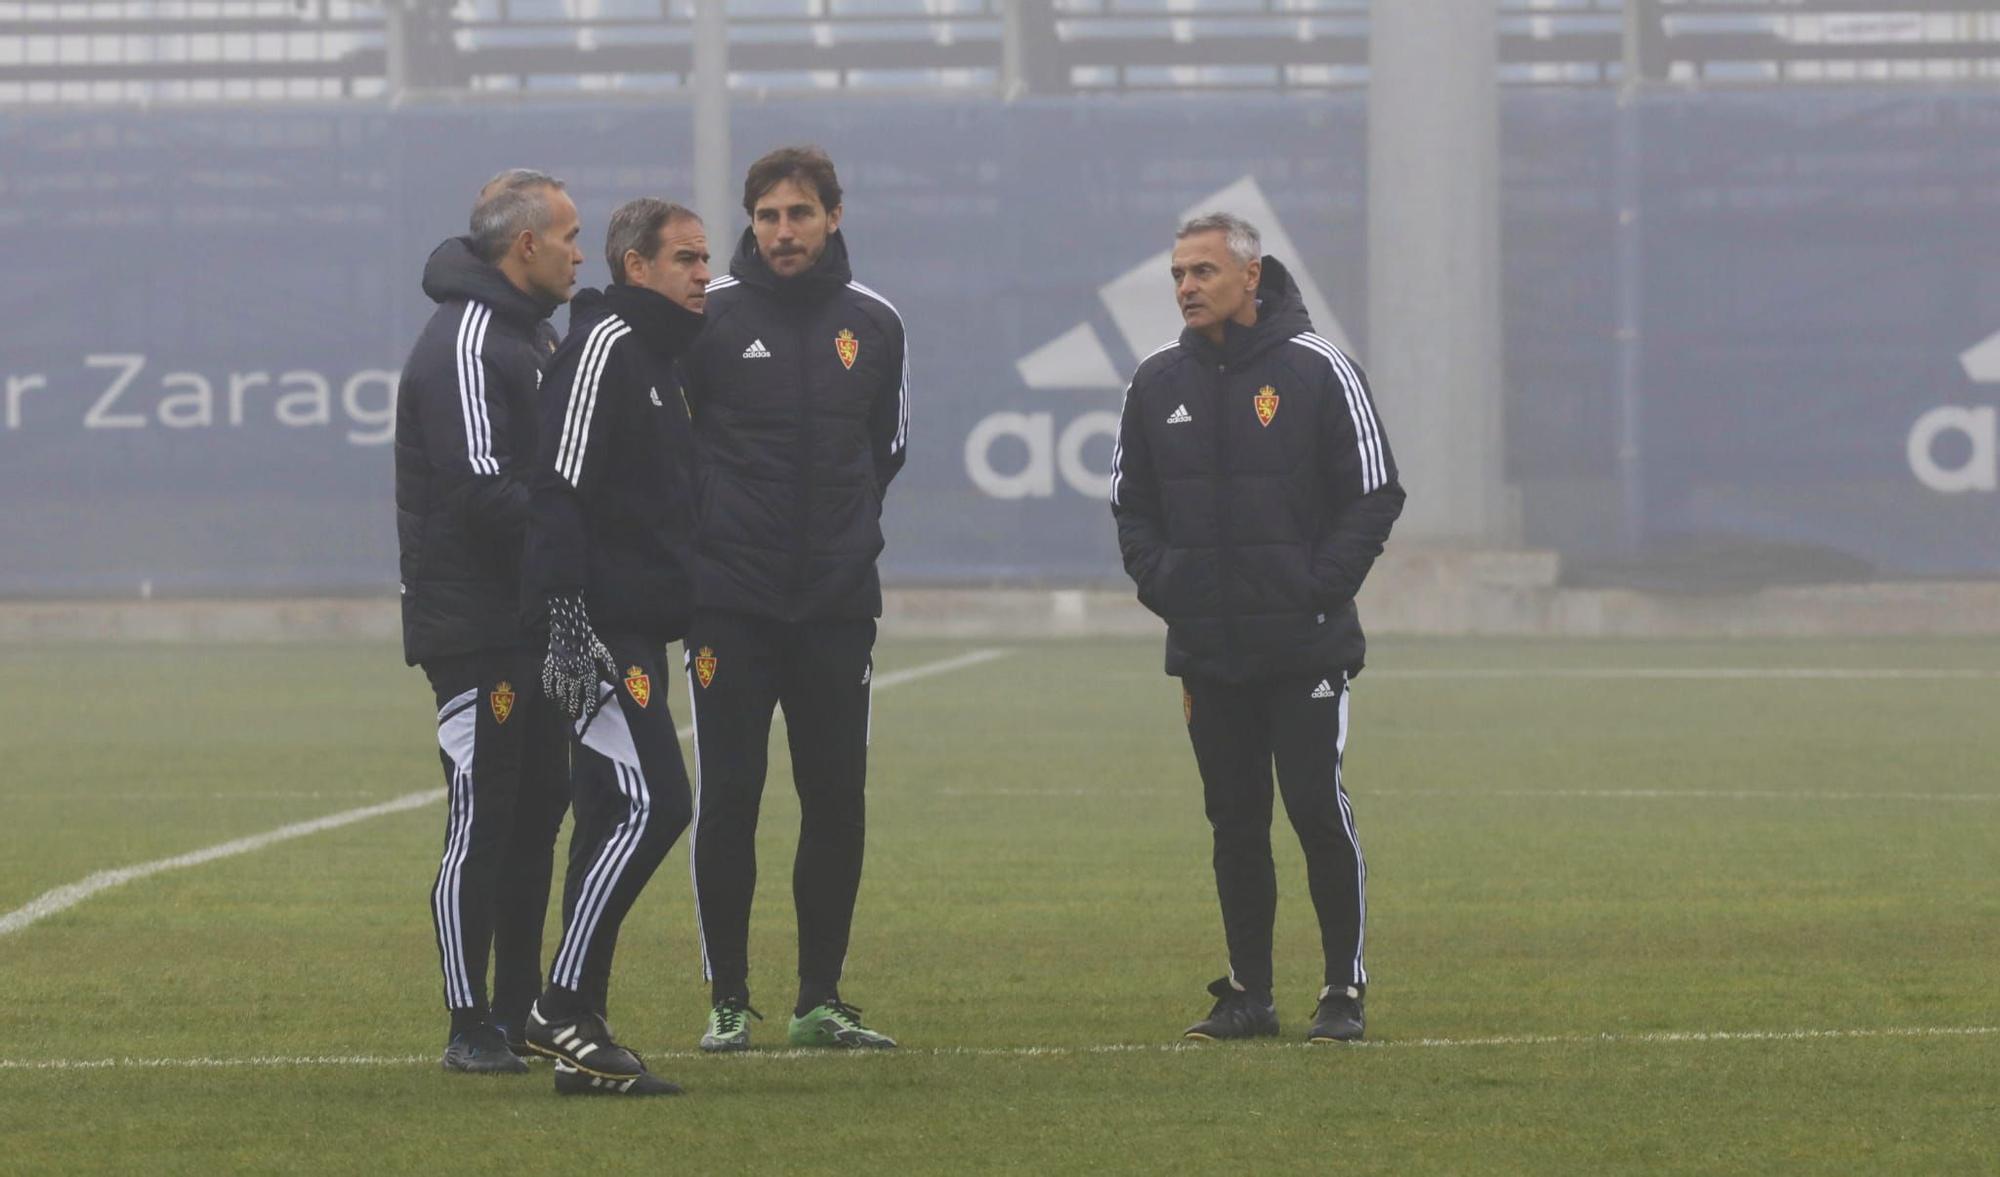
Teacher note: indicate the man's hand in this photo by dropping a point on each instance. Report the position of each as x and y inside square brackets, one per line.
[577, 660]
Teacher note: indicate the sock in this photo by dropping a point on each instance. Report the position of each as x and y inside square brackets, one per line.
[465, 1019]
[559, 1004]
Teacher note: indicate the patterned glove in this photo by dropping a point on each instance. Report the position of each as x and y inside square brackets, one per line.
[577, 660]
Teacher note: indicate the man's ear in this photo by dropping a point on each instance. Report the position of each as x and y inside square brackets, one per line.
[833, 218]
[1255, 272]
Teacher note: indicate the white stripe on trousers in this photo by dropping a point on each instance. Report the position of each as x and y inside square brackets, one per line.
[609, 736]
[1360, 974]
[694, 825]
[457, 736]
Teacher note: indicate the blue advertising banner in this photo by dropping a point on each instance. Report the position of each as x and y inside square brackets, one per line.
[206, 311]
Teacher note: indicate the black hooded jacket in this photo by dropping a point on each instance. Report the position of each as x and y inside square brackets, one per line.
[1253, 488]
[465, 428]
[611, 512]
[800, 394]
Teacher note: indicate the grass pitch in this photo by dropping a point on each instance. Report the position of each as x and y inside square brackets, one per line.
[1660, 922]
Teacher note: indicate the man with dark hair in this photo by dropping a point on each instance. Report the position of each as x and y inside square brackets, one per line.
[465, 431]
[800, 391]
[1253, 488]
[610, 553]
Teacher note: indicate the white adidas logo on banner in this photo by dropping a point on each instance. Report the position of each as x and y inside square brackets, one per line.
[756, 351]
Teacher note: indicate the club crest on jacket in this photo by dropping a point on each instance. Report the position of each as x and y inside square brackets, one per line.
[639, 685]
[704, 667]
[502, 700]
[1267, 405]
[848, 347]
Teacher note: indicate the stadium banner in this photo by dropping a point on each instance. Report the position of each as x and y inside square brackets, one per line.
[206, 310]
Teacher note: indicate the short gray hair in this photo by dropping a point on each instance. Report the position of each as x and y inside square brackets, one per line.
[511, 202]
[1244, 243]
[637, 226]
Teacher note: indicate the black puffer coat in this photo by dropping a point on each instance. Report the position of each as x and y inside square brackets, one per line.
[800, 391]
[1253, 488]
[465, 430]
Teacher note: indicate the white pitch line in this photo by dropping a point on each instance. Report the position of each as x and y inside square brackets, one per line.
[70, 894]
[1656, 1038]
[1530, 794]
[1676, 673]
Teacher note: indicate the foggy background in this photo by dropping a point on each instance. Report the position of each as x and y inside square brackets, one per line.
[1690, 297]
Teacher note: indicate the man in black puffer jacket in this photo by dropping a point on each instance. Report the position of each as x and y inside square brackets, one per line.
[800, 391]
[465, 431]
[1253, 488]
[611, 550]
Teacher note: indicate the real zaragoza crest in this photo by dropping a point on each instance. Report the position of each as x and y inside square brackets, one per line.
[502, 700]
[1267, 405]
[639, 685]
[704, 667]
[848, 346]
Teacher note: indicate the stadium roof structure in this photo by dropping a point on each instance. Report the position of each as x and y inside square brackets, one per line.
[90, 52]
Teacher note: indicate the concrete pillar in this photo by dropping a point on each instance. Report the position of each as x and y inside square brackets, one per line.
[714, 180]
[1434, 352]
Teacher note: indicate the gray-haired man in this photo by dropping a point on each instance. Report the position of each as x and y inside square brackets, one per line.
[1253, 488]
[465, 432]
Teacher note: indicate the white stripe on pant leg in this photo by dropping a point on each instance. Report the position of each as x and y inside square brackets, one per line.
[457, 738]
[694, 825]
[603, 879]
[1360, 971]
[611, 737]
[447, 900]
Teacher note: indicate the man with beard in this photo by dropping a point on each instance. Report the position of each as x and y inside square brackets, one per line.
[800, 393]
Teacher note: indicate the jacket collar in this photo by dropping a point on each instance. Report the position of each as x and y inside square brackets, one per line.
[663, 325]
[1281, 314]
[828, 275]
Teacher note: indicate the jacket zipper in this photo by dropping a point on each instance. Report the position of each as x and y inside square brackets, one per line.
[795, 592]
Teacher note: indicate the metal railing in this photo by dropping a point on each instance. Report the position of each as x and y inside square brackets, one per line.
[144, 51]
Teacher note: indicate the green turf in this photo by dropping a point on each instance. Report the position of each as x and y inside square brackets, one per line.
[1591, 869]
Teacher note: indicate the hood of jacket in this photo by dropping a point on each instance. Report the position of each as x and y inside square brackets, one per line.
[1281, 314]
[454, 273]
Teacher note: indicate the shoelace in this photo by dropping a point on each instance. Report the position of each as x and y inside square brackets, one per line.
[847, 1015]
[729, 1016]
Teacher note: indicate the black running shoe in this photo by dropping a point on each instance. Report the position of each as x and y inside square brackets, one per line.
[573, 1081]
[515, 1042]
[482, 1050]
[1339, 1018]
[585, 1043]
[1236, 1015]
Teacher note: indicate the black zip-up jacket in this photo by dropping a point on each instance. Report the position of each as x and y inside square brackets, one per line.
[465, 428]
[800, 393]
[1253, 488]
[611, 513]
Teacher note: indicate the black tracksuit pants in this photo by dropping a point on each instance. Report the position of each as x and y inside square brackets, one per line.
[631, 802]
[506, 763]
[739, 668]
[1240, 731]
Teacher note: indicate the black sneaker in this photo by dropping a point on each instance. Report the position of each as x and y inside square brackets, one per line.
[575, 1081]
[482, 1050]
[1339, 1018]
[584, 1042]
[1236, 1015]
[515, 1042]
